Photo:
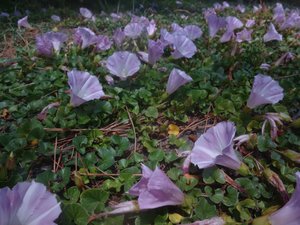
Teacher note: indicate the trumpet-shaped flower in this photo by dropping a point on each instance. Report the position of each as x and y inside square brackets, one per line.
[50, 41]
[250, 23]
[84, 37]
[84, 87]
[216, 147]
[28, 203]
[278, 13]
[24, 23]
[265, 90]
[233, 23]
[118, 37]
[103, 43]
[133, 30]
[192, 32]
[215, 23]
[151, 28]
[272, 34]
[289, 214]
[155, 190]
[244, 35]
[86, 13]
[155, 51]
[176, 79]
[183, 47]
[123, 64]
[293, 21]
[240, 8]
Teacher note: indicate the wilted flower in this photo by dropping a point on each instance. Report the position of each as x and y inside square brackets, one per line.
[43, 114]
[278, 13]
[103, 43]
[265, 66]
[250, 23]
[211, 221]
[289, 213]
[84, 37]
[55, 18]
[109, 80]
[273, 119]
[285, 58]
[244, 35]
[84, 87]
[176, 79]
[118, 37]
[24, 23]
[243, 139]
[272, 34]
[265, 90]
[192, 32]
[50, 41]
[28, 203]
[257, 9]
[183, 47]
[123, 64]
[133, 30]
[240, 8]
[155, 190]
[215, 146]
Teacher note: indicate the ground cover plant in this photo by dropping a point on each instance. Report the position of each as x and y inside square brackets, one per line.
[148, 117]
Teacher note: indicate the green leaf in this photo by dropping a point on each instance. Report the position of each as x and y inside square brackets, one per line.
[265, 143]
[79, 142]
[151, 112]
[157, 155]
[204, 209]
[74, 213]
[93, 200]
[72, 194]
[231, 196]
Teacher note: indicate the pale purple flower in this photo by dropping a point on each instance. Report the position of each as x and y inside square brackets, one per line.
[257, 9]
[103, 43]
[144, 56]
[215, 23]
[278, 13]
[155, 51]
[109, 80]
[118, 37]
[183, 47]
[49, 42]
[176, 79]
[289, 214]
[227, 36]
[177, 29]
[84, 87]
[133, 30]
[86, 13]
[155, 190]
[250, 23]
[24, 23]
[215, 146]
[240, 8]
[192, 32]
[218, 6]
[123, 64]
[43, 114]
[272, 34]
[211, 221]
[265, 90]
[84, 37]
[244, 35]
[55, 18]
[242, 139]
[151, 28]
[225, 4]
[116, 16]
[233, 23]
[166, 37]
[293, 21]
[265, 66]
[4, 14]
[28, 203]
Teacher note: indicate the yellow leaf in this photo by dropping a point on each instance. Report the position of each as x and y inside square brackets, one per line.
[175, 218]
[173, 129]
